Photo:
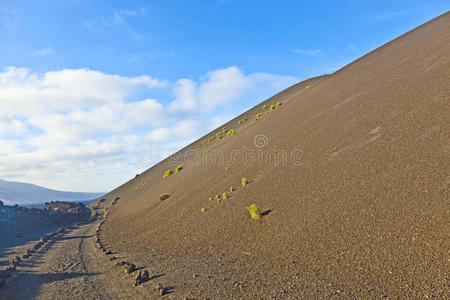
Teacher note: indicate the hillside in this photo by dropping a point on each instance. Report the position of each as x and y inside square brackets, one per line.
[26, 193]
[358, 209]
[351, 175]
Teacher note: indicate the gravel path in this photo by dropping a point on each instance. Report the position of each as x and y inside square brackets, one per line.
[70, 267]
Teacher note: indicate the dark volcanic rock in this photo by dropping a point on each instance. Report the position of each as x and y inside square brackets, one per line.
[130, 268]
[159, 289]
[11, 267]
[15, 260]
[17, 220]
[141, 277]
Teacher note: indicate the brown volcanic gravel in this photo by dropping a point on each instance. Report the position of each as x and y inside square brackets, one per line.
[364, 213]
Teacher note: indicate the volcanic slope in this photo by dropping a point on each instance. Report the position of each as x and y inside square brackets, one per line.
[351, 173]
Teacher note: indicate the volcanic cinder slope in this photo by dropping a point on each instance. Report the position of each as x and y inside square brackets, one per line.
[357, 204]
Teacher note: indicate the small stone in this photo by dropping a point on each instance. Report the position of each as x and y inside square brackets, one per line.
[109, 252]
[159, 289]
[11, 268]
[141, 277]
[15, 260]
[130, 268]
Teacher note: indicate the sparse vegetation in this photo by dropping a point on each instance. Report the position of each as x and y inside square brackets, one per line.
[272, 107]
[278, 103]
[244, 181]
[231, 188]
[115, 200]
[264, 106]
[256, 117]
[167, 173]
[227, 169]
[307, 86]
[254, 211]
[178, 169]
[231, 132]
[210, 199]
[242, 120]
[225, 196]
[163, 196]
[203, 209]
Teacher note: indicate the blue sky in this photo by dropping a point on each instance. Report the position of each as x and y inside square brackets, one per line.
[174, 39]
[87, 87]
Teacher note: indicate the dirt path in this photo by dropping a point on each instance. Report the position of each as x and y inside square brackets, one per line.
[71, 267]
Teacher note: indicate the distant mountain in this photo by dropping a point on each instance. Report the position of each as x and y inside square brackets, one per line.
[26, 193]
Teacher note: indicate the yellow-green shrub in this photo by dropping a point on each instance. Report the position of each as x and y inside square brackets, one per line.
[254, 211]
[231, 132]
[163, 196]
[167, 173]
[178, 169]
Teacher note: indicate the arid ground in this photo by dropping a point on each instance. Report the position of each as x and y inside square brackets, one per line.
[349, 170]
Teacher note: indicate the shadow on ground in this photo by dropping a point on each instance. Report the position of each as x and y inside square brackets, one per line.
[25, 285]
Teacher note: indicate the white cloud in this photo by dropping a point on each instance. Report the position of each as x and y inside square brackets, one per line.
[310, 52]
[186, 94]
[45, 52]
[222, 86]
[388, 15]
[145, 112]
[90, 131]
[65, 90]
[11, 127]
[225, 86]
[353, 48]
[159, 135]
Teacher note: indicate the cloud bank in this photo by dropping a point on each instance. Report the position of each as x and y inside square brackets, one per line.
[84, 130]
